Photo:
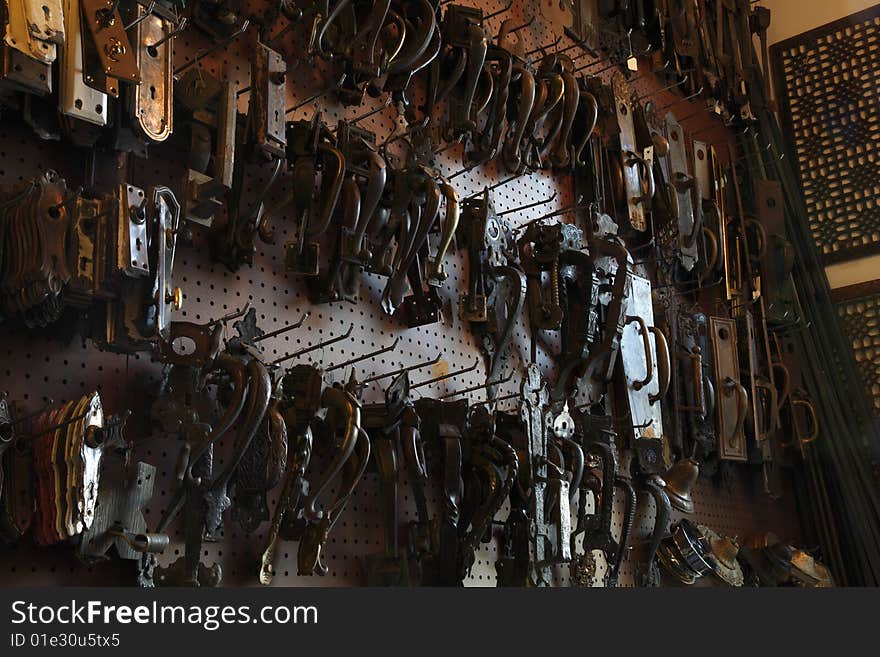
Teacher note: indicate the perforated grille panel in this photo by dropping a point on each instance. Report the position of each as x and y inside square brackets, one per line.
[38, 366]
[861, 321]
[829, 87]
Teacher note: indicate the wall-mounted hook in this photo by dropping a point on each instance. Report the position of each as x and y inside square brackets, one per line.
[141, 19]
[306, 350]
[543, 48]
[181, 26]
[516, 29]
[499, 12]
[480, 386]
[366, 115]
[287, 28]
[317, 95]
[217, 46]
[235, 314]
[358, 359]
[494, 186]
[680, 100]
[465, 170]
[530, 205]
[409, 368]
[497, 399]
[284, 329]
[655, 71]
[667, 88]
[29, 416]
[450, 375]
[698, 112]
[555, 213]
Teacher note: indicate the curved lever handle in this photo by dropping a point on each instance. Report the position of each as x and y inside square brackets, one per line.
[808, 404]
[663, 364]
[646, 342]
[436, 274]
[696, 359]
[742, 406]
[646, 176]
[761, 383]
[712, 260]
[786, 387]
[761, 232]
[334, 169]
[697, 228]
[589, 100]
[673, 199]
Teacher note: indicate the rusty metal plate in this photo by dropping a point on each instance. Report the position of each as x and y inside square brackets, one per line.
[683, 184]
[631, 178]
[75, 98]
[112, 46]
[153, 99]
[731, 398]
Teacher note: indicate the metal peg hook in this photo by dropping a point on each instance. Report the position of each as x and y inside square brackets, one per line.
[480, 386]
[358, 359]
[283, 329]
[217, 46]
[680, 100]
[495, 186]
[306, 350]
[235, 314]
[543, 48]
[555, 213]
[366, 115]
[499, 12]
[698, 112]
[655, 71]
[447, 376]
[181, 26]
[667, 88]
[141, 19]
[409, 368]
[526, 207]
[497, 399]
[465, 170]
[317, 95]
[25, 418]
[516, 29]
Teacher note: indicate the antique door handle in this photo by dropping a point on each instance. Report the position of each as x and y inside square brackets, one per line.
[663, 363]
[786, 387]
[811, 409]
[742, 405]
[712, 259]
[416, 47]
[761, 234]
[697, 227]
[334, 168]
[560, 156]
[646, 342]
[761, 383]
[646, 176]
[587, 100]
[436, 274]
[696, 360]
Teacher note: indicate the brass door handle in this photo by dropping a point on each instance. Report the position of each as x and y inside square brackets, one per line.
[696, 360]
[811, 409]
[712, 259]
[436, 274]
[764, 384]
[663, 363]
[646, 176]
[646, 342]
[786, 388]
[742, 406]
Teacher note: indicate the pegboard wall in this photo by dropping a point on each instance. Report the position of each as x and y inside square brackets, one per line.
[37, 366]
[829, 90]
